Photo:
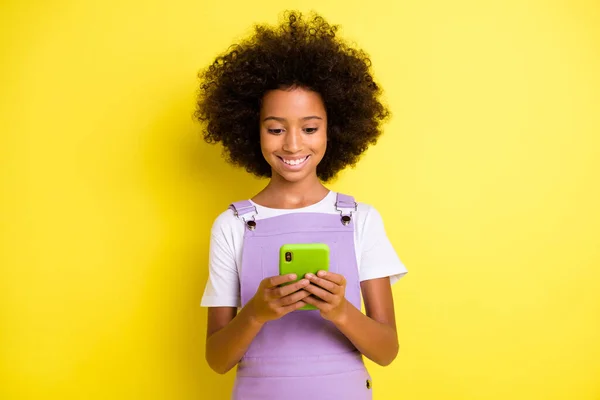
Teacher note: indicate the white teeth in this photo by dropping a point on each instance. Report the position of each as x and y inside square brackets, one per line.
[294, 162]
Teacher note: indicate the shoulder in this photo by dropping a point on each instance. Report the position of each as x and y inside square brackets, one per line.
[366, 215]
[225, 224]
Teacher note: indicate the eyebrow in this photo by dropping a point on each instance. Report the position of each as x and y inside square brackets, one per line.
[283, 119]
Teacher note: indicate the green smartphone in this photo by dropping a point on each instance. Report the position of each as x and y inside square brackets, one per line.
[303, 258]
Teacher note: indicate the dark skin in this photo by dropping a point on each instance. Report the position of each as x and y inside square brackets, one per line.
[293, 141]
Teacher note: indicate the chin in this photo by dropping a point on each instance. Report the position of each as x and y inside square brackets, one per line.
[292, 177]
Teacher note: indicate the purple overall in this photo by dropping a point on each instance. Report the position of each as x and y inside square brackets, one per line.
[301, 355]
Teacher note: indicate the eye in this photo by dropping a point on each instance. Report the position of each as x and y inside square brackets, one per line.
[311, 130]
[275, 131]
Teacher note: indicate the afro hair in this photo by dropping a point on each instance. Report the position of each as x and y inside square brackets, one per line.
[300, 52]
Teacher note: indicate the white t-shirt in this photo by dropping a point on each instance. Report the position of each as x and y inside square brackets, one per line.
[374, 253]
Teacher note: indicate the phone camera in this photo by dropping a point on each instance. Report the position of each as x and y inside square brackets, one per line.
[288, 256]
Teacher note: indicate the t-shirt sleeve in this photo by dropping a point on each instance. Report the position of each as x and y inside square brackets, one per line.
[223, 284]
[378, 258]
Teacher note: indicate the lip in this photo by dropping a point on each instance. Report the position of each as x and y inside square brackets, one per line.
[294, 167]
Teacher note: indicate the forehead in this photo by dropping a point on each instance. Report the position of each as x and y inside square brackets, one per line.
[297, 102]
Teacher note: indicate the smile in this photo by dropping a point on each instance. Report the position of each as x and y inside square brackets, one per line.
[294, 162]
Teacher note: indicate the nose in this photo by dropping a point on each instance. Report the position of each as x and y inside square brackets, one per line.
[292, 142]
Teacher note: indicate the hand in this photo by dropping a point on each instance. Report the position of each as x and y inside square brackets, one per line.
[328, 290]
[273, 301]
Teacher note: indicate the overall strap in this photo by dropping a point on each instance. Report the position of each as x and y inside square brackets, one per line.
[344, 201]
[246, 211]
[243, 207]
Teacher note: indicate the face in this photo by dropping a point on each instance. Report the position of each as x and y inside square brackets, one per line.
[293, 133]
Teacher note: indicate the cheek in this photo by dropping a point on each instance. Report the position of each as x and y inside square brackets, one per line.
[320, 143]
[324, 147]
[265, 142]
[268, 145]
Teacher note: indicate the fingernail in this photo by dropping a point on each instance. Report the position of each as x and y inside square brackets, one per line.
[304, 282]
[309, 276]
[292, 276]
[321, 273]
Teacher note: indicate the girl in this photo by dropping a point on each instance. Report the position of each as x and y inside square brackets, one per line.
[297, 105]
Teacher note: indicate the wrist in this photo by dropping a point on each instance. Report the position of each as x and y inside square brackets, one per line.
[251, 317]
[343, 316]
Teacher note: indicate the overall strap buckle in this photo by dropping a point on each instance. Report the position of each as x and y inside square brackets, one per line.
[346, 206]
[246, 211]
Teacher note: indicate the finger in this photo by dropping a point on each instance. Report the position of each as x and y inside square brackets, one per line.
[325, 284]
[282, 291]
[333, 277]
[294, 306]
[313, 301]
[275, 281]
[320, 293]
[293, 298]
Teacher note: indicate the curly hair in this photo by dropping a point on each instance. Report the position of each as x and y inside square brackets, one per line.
[298, 53]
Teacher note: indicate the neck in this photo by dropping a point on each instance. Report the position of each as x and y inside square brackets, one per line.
[280, 193]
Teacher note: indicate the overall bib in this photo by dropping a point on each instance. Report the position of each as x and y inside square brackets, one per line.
[301, 355]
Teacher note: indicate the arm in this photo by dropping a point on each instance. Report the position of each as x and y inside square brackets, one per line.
[374, 334]
[228, 337]
[229, 334]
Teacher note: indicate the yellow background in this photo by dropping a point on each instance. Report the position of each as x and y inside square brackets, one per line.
[487, 178]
